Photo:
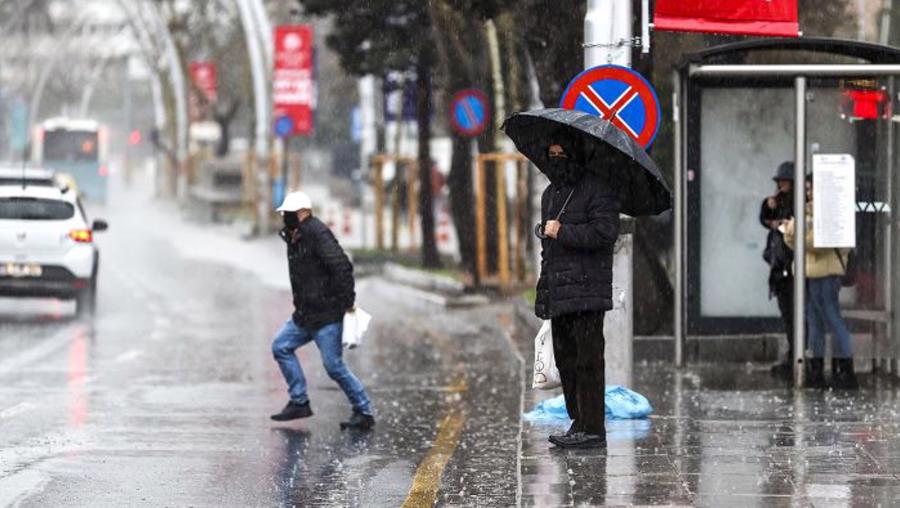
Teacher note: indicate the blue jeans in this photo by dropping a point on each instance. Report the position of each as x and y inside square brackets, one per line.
[823, 310]
[328, 339]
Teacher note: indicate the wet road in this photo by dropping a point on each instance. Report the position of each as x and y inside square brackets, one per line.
[164, 399]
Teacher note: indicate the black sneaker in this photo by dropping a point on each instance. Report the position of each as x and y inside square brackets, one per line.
[293, 411]
[579, 440]
[359, 421]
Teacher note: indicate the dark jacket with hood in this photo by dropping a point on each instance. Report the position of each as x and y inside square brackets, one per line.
[321, 275]
[576, 267]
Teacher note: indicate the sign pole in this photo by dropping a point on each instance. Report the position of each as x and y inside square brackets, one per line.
[607, 40]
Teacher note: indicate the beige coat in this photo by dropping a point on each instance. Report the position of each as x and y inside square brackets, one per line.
[819, 262]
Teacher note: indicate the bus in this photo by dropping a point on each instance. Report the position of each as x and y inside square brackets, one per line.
[77, 149]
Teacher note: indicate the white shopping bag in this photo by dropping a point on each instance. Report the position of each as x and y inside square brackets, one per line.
[546, 375]
[356, 322]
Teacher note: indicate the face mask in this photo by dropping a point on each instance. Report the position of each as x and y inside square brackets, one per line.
[291, 221]
[564, 171]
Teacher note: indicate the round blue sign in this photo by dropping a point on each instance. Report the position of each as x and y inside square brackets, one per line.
[284, 126]
[469, 113]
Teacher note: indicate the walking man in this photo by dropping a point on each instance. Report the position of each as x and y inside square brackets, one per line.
[775, 211]
[323, 290]
[578, 234]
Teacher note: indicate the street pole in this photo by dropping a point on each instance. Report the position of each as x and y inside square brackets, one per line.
[179, 90]
[607, 40]
[261, 107]
[800, 231]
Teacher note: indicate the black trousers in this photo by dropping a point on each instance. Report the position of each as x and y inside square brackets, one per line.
[578, 345]
[784, 292]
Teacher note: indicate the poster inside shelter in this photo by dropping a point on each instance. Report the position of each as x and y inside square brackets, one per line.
[834, 201]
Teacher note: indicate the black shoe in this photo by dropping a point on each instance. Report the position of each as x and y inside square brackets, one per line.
[579, 440]
[843, 376]
[572, 429]
[359, 421]
[815, 373]
[784, 370]
[292, 411]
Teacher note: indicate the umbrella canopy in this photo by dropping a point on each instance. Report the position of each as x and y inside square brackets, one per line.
[599, 147]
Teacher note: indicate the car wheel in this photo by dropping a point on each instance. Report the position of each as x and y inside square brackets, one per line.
[86, 300]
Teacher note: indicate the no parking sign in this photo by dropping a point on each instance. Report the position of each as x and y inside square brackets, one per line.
[619, 95]
[469, 113]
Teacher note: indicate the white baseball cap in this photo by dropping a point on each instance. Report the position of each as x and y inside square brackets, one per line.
[295, 201]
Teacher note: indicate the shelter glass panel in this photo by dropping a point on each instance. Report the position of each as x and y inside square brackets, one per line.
[746, 134]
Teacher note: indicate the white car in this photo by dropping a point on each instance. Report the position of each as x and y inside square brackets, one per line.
[46, 246]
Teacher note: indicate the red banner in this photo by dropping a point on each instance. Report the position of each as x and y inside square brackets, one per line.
[743, 17]
[206, 78]
[293, 80]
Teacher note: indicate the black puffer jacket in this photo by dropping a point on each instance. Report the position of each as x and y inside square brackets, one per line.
[576, 268]
[321, 275]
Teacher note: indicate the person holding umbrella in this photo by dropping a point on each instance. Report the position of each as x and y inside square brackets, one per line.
[596, 171]
[574, 290]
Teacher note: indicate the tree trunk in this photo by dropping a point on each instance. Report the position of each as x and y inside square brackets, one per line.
[430, 257]
[462, 204]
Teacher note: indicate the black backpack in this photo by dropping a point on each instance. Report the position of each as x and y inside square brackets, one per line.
[777, 255]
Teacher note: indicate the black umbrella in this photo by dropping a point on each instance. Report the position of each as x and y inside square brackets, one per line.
[600, 147]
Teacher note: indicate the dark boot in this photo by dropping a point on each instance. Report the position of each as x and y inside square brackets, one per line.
[843, 376]
[815, 373]
[784, 370]
[293, 411]
[359, 421]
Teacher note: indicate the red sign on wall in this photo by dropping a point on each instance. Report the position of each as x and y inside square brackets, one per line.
[744, 17]
[206, 78]
[293, 80]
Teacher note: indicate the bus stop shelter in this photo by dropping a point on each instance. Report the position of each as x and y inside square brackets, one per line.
[740, 110]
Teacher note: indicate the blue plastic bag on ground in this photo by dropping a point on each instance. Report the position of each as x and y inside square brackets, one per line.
[621, 404]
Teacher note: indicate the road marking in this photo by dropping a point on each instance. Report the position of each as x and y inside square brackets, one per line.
[16, 410]
[129, 355]
[427, 480]
[40, 351]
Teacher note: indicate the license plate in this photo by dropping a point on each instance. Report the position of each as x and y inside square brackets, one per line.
[20, 270]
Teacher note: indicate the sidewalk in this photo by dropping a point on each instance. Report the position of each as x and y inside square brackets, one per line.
[725, 435]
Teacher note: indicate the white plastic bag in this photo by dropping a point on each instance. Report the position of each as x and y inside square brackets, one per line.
[546, 375]
[356, 322]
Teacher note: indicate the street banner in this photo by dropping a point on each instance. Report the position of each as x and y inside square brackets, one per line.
[834, 201]
[206, 77]
[292, 80]
[777, 18]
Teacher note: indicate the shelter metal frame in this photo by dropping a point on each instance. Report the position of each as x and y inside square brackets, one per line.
[800, 74]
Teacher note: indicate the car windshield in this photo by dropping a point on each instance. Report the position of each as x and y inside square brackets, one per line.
[22, 208]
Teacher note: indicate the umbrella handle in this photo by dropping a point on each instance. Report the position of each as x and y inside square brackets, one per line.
[539, 231]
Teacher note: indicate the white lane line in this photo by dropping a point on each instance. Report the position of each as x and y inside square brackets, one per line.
[18, 487]
[22, 407]
[129, 355]
[40, 351]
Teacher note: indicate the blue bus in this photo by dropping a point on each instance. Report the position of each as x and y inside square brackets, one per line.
[77, 149]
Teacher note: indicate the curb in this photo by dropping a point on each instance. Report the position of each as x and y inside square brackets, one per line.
[435, 289]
